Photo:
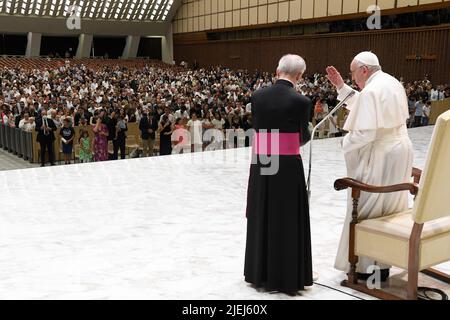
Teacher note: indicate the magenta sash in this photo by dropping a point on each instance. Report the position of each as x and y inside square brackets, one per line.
[282, 144]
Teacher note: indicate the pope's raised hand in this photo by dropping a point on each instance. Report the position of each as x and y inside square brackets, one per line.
[335, 77]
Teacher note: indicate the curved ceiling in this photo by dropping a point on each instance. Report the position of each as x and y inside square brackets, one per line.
[116, 10]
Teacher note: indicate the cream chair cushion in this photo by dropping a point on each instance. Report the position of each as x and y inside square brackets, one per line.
[386, 240]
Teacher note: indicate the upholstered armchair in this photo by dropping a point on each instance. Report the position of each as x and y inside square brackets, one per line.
[413, 240]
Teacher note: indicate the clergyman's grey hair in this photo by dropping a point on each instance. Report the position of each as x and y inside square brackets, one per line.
[291, 64]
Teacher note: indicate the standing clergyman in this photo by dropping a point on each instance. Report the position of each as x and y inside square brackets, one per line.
[278, 252]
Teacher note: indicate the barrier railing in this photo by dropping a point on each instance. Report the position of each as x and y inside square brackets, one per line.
[8, 138]
[17, 142]
[2, 137]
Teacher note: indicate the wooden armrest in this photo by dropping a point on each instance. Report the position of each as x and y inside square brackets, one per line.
[417, 174]
[346, 183]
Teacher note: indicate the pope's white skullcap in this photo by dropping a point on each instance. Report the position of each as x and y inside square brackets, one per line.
[368, 58]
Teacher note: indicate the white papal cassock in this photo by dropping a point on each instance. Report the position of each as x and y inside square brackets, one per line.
[377, 151]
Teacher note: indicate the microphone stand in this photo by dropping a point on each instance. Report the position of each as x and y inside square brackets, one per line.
[339, 106]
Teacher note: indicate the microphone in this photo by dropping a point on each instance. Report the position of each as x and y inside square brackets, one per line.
[339, 106]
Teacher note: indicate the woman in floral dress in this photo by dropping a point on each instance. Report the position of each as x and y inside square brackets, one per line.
[100, 140]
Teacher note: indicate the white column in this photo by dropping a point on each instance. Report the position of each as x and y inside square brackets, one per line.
[33, 44]
[167, 46]
[131, 47]
[84, 46]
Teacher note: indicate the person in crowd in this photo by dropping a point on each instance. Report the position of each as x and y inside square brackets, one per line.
[418, 113]
[27, 123]
[165, 132]
[77, 90]
[57, 119]
[180, 138]
[207, 122]
[85, 146]
[169, 115]
[426, 114]
[195, 129]
[153, 128]
[83, 124]
[320, 112]
[218, 122]
[144, 127]
[67, 134]
[11, 120]
[112, 130]
[121, 137]
[100, 138]
[181, 113]
[46, 128]
[333, 126]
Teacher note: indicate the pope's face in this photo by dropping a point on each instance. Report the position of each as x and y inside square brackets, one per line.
[359, 74]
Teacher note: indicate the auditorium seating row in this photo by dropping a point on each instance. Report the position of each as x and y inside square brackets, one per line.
[94, 64]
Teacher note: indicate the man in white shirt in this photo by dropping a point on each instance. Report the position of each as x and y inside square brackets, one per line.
[181, 113]
[99, 98]
[434, 94]
[27, 124]
[69, 103]
[426, 114]
[94, 86]
[441, 94]
[418, 113]
[248, 108]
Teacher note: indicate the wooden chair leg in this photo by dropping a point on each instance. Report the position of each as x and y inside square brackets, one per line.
[352, 257]
[413, 281]
[413, 261]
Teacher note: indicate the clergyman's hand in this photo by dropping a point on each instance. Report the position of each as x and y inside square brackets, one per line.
[335, 77]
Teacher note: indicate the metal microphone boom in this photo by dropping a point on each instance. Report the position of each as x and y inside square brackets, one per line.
[340, 105]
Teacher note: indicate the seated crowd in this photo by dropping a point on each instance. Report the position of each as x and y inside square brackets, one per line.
[107, 95]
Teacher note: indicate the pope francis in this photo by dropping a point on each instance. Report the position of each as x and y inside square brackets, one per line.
[377, 148]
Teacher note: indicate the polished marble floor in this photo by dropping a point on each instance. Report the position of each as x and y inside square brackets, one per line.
[157, 228]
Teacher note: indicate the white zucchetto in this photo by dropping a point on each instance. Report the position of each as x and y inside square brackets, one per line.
[368, 58]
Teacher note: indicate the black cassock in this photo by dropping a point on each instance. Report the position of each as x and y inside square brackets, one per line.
[278, 249]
